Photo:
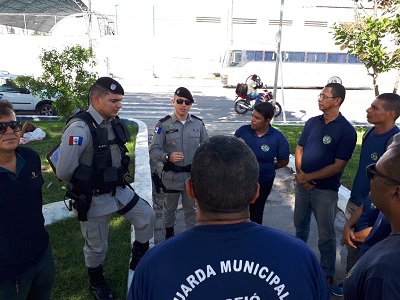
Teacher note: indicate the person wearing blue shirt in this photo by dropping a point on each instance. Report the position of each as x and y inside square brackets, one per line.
[226, 256]
[375, 274]
[360, 212]
[268, 144]
[27, 269]
[326, 144]
[383, 113]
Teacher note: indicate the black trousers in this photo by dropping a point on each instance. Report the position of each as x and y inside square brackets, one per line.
[257, 208]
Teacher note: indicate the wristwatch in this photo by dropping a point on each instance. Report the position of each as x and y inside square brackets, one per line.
[167, 156]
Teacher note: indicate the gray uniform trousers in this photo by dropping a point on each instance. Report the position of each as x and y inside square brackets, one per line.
[95, 231]
[170, 206]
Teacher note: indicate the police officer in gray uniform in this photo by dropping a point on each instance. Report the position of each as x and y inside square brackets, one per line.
[176, 138]
[93, 159]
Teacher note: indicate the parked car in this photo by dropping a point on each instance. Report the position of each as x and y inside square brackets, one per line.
[22, 98]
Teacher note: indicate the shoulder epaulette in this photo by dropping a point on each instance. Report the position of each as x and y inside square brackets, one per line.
[163, 119]
[197, 118]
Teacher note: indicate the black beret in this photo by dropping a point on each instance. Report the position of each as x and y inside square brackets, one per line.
[184, 92]
[110, 85]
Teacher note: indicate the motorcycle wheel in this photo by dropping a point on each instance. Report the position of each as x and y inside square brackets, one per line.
[240, 107]
[278, 109]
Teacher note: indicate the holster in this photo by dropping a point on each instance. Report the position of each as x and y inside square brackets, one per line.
[80, 201]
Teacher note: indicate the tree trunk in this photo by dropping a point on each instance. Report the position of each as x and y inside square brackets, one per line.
[396, 84]
[374, 80]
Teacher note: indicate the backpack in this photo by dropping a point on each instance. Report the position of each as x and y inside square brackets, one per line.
[389, 141]
[241, 90]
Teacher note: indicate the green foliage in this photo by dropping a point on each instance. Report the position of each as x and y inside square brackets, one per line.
[372, 39]
[67, 77]
[368, 38]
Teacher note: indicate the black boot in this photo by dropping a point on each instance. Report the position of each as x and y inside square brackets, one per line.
[138, 250]
[169, 232]
[98, 284]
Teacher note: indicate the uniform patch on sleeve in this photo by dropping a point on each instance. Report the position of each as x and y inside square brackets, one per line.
[157, 130]
[75, 140]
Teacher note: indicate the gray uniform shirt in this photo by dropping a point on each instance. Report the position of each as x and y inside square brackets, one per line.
[170, 135]
[77, 148]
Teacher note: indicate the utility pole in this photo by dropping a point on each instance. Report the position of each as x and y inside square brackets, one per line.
[89, 30]
[278, 51]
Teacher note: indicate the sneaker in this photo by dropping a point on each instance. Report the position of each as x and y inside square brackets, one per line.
[337, 289]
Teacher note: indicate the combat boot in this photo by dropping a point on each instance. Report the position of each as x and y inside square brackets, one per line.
[169, 232]
[138, 250]
[98, 284]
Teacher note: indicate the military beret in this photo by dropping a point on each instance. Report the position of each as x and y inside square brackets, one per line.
[184, 92]
[110, 85]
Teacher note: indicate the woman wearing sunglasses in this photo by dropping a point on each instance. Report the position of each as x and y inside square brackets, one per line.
[271, 149]
[26, 263]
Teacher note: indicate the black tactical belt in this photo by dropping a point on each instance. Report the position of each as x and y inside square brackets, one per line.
[177, 169]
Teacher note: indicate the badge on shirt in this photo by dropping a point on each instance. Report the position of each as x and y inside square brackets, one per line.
[326, 139]
[75, 140]
[374, 156]
[265, 148]
[157, 130]
[195, 129]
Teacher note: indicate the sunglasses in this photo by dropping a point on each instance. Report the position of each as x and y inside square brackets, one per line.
[180, 101]
[14, 125]
[371, 172]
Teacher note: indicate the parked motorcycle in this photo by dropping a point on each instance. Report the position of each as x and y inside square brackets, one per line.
[243, 103]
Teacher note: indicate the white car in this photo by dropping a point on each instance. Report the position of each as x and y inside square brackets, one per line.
[21, 98]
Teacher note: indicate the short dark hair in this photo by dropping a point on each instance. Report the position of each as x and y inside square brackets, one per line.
[265, 109]
[254, 77]
[96, 89]
[391, 101]
[224, 175]
[392, 164]
[338, 90]
[6, 108]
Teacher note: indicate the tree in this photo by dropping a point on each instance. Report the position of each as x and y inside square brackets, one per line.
[67, 77]
[372, 40]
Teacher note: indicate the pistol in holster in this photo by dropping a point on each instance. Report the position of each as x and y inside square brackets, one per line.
[158, 182]
[80, 201]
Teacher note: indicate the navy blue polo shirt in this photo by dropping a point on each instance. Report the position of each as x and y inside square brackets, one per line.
[368, 216]
[323, 143]
[271, 145]
[372, 149]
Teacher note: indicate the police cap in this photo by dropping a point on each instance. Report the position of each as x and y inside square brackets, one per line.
[184, 92]
[110, 85]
